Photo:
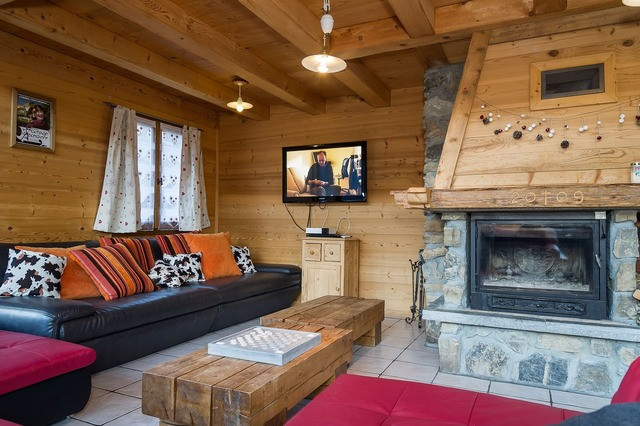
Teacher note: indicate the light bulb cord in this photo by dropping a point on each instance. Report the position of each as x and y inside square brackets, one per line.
[327, 6]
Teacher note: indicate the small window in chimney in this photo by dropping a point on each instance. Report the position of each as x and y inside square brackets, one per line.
[573, 81]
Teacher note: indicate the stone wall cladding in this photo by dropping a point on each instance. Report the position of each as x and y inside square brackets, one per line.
[588, 365]
[456, 241]
[440, 89]
[623, 256]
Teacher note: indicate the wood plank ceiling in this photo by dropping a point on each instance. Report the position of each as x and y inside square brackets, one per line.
[195, 48]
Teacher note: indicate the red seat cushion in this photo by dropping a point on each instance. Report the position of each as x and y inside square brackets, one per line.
[368, 393]
[497, 410]
[28, 359]
[359, 400]
[629, 389]
[434, 403]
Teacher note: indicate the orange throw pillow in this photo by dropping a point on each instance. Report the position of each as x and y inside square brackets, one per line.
[76, 283]
[217, 258]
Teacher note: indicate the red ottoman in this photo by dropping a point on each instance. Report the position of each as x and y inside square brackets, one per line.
[359, 400]
[42, 380]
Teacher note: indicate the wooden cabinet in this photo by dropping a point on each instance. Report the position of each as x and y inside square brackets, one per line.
[329, 267]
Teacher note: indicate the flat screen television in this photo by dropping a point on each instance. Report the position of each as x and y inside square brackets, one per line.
[335, 172]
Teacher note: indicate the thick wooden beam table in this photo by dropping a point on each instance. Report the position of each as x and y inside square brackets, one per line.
[203, 389]
[363, 316]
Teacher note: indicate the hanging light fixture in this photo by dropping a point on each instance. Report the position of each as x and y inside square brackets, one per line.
[323, 62]
[240, 105]
[631, 2]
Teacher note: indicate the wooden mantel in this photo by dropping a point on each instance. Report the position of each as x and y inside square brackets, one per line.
[564, 197]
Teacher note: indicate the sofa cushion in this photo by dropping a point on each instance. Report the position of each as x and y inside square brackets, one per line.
[243, 286]
[173, 244]
[28, 359]
[4, 249]
[75, 284]
[140, 249]
[31, 273]
[242, 256]
[112, 316]
[190, 264]
[164, 274]
[114, 270]
[217, 259]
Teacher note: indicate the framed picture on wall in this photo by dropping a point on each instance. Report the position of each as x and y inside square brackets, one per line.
[32, 121]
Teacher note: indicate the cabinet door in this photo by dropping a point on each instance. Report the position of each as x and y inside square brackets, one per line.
[322, 280]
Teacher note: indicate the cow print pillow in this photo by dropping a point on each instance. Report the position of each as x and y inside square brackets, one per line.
[164, 274]
[190, 265]
[32, 274]
[243, 259]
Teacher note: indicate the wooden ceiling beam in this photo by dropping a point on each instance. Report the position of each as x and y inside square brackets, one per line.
[3, 2]
[617, 15]
[294, 21]
[168, 21]
[458, 21]
[418, 19]
[58, 25]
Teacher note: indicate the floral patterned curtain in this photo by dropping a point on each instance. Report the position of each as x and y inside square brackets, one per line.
[147, 172]
[170, 171]
[193, 198]
[119, 209]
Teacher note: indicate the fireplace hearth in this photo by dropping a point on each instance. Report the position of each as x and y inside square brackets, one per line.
[546, 263]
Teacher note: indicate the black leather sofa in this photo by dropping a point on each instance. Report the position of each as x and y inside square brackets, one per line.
[125, 329]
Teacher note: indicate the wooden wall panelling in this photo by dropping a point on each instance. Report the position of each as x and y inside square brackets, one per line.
[487, 160]
[251, 187]
[54, 196]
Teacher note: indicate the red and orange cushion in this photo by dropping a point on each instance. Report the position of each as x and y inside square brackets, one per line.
[140, 249]
[174, 244]
[217, 258]
[114, 271]
[75, 284]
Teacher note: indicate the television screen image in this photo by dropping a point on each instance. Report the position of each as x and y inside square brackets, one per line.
[324, 173]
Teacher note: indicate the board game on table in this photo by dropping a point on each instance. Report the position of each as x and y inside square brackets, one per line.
[363, 316]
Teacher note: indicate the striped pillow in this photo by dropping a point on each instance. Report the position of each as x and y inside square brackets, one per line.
[140, 249]
[173, 244]
[114, 270]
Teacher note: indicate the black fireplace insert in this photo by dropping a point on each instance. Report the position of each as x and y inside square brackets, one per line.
[546, 263]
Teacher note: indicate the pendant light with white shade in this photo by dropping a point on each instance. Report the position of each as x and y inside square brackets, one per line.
[323, 62]
[240, 105]
[631, 2]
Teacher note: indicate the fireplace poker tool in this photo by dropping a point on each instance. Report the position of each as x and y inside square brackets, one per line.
[417, 284]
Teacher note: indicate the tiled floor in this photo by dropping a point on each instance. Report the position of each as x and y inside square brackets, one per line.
[115, 397]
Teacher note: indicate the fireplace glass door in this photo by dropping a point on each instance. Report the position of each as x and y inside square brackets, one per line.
[545, 265]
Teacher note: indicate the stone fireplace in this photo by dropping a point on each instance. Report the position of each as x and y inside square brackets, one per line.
[531, 299]
[533, 348]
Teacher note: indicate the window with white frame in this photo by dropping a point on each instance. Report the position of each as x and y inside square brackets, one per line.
[159, 154]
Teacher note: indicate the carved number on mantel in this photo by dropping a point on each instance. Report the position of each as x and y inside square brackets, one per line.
[547, 198]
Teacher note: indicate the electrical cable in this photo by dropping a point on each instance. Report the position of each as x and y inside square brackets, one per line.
[338, 225]
[294, 221]
[326, 216]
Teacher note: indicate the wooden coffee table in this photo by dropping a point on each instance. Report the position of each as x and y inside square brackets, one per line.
[203, 389]
[363, 316]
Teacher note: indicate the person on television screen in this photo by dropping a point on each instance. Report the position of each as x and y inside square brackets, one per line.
[320, 176]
